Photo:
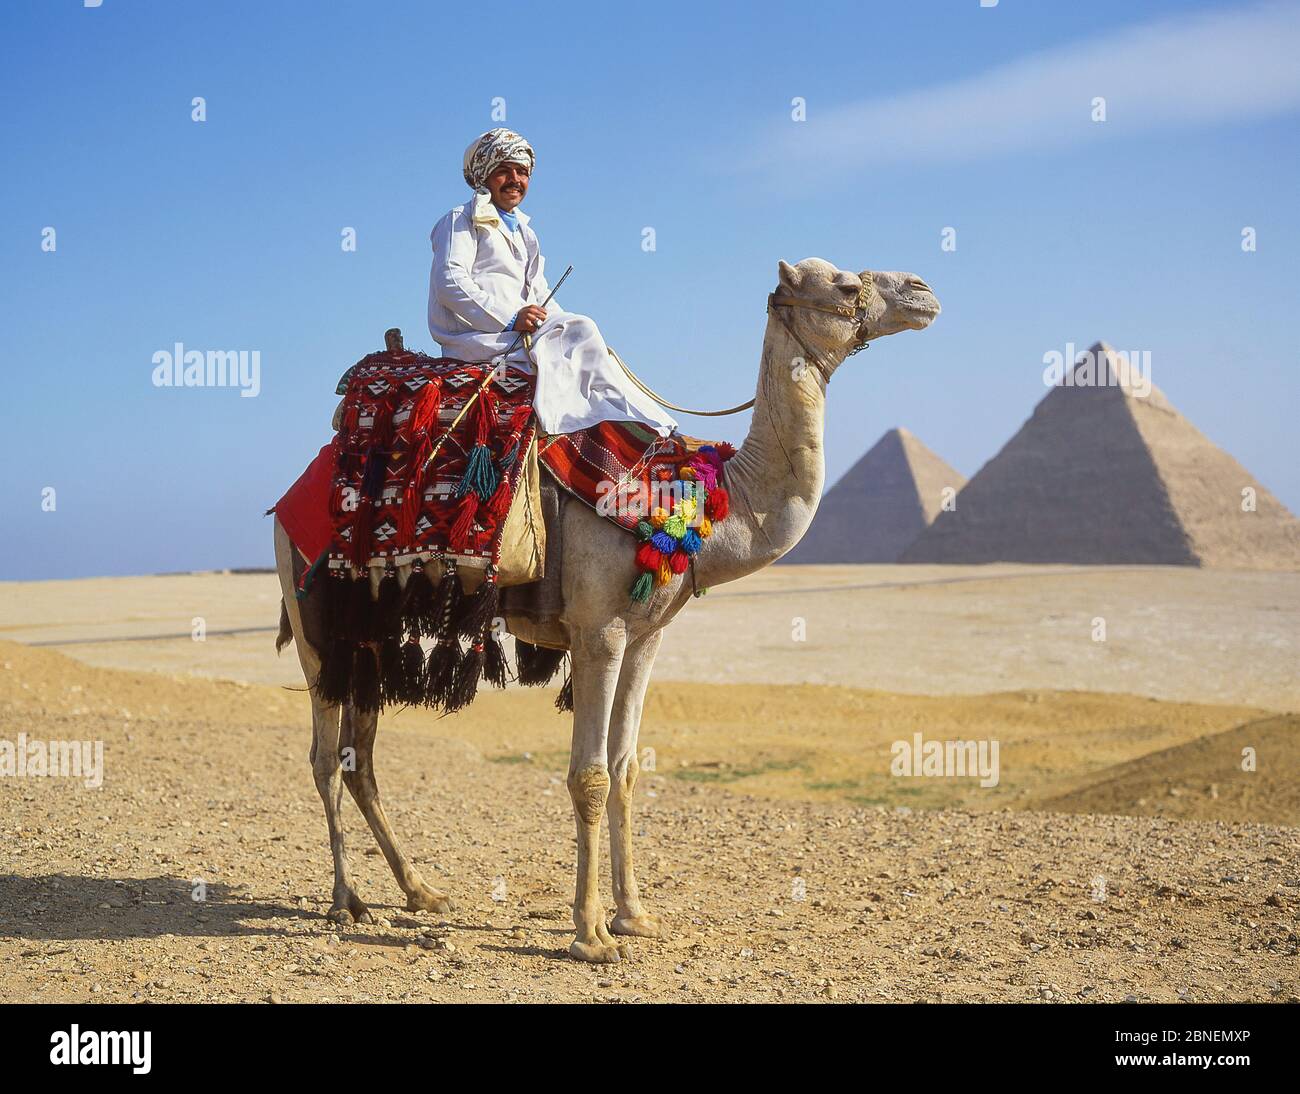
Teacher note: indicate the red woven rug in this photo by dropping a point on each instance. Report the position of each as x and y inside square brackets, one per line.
[388, 501]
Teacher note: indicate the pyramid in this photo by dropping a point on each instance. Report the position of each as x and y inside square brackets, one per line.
[880, 505]
[1103, 473]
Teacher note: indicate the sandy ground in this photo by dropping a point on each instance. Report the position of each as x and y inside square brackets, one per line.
[208, 783]
[787, 862]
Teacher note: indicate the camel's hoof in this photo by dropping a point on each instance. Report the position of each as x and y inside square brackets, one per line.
[597, 953]
[429, 900]
[348, 911]
[644, 925]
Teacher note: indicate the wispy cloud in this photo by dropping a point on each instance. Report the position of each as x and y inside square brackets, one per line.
[1179, 72]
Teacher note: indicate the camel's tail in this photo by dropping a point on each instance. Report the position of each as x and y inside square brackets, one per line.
[286, 630]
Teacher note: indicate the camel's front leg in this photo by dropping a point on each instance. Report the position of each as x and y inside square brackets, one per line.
[631, 918]
[596, 657]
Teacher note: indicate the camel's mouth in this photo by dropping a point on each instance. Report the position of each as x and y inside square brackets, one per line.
[921, 313]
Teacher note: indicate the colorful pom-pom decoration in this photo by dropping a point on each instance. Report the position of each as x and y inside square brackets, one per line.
[674, 533]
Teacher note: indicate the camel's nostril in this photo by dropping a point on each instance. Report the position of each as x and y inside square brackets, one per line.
[919, 285]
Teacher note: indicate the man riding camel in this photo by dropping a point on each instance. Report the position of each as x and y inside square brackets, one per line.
[486, 287]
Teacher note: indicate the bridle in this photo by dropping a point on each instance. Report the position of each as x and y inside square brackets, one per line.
[858, 313]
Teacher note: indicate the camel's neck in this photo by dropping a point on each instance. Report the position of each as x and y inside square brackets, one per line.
[775, 479]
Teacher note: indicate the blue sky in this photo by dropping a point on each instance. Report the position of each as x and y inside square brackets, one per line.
[225, 234]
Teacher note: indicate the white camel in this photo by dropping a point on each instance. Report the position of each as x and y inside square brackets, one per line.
[818, 315]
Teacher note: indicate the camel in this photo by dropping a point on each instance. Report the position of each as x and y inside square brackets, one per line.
[817, 317]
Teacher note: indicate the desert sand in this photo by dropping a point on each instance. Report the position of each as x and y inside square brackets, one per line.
[1124, 852]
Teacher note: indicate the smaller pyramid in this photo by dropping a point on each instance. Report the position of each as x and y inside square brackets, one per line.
[882, 504]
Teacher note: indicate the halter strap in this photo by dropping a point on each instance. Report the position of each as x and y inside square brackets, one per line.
[774, 302]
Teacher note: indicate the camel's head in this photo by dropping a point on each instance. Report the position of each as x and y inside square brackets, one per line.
[836, 312]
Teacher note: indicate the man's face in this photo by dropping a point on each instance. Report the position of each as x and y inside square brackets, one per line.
[509, 184]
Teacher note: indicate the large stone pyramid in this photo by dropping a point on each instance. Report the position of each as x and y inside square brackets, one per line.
[1103, 473]
[881, 504]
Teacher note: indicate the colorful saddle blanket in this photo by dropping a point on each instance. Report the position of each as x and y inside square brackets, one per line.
[416, 472]
[667, 491]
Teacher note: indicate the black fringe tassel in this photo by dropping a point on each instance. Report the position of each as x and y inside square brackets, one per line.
[440, 672]
[334, 684]
[535, 665]
[365, 680]
[360, 614]
[392, 670]
[494, 661]
[412, 673]
[448, 600]
[388, 608]
[419, 608]
[482, 609]
[564, 701]
[465, 686]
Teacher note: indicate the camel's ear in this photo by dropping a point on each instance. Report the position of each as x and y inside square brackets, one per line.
[787, 274]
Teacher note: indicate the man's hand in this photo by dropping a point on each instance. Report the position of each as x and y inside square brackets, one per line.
[529, 318]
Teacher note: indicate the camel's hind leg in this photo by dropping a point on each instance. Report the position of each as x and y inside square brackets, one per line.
[325, 745]
[359, 731]
[326, 767]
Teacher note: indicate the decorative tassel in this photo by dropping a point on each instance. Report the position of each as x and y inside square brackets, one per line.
[664, 573]
[360, 621]
[482, 610]
[365, 680]
[663, 543]
[388, 608]
[480, 477]
[412, 673]
[564, 701]
[372, 482]
[362, 523]
[458, 537]
[678, 561]
[424, 412]
[447, 606]
[718, 504]
[392, 671]
[494, 662]
[535, 665]
[499, 504]
[334, 683]
[418, 608]
[648, 556]
[335, 607]
[440, 672]
[644, 586]
[465, 686]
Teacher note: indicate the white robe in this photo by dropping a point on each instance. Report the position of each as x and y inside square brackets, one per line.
[482, 275]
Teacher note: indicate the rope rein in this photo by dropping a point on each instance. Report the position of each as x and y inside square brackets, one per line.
[774, 302]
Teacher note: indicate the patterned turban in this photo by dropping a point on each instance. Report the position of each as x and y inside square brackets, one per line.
[490, 151]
